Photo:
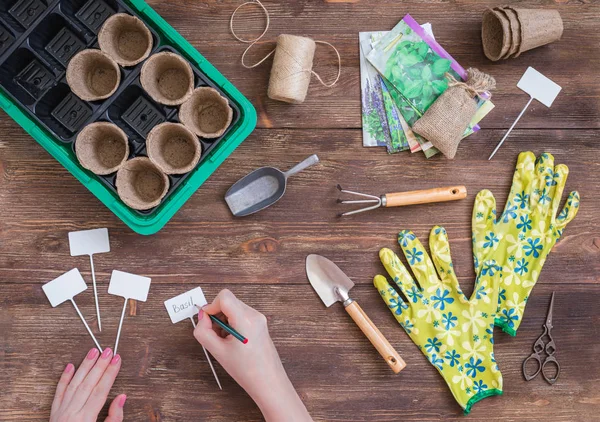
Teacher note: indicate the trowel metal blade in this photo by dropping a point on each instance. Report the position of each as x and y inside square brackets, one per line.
[327, 279]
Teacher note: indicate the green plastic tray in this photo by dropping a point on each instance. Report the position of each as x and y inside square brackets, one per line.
[155, 220]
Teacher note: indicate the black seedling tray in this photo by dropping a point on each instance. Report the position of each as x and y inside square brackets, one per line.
[38, 38]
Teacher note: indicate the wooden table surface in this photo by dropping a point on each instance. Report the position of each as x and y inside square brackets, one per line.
[261, 258]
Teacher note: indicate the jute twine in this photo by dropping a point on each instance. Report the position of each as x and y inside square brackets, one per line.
[445, 122]
[293, 62]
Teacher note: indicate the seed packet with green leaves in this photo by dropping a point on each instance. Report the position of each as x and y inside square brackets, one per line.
[407, 111]
[415, 65]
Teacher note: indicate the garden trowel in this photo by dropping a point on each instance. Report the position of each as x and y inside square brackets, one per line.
[332, 285]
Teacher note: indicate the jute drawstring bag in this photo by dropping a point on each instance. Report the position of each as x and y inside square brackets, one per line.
[445, 122]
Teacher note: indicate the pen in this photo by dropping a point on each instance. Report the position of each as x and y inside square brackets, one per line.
[227, 327]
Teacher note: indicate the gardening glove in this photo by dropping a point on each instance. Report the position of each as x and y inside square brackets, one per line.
[516, 245]
[454, 332]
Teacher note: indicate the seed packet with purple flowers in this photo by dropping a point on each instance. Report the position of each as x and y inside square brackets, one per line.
[397, 137]
[376, 131]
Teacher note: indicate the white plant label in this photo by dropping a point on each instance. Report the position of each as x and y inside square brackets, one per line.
[65, 287]
[184, 306]
[89, 242]
[129, 286]
[539, 87]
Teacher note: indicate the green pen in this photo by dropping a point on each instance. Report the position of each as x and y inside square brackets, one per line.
[226, 327]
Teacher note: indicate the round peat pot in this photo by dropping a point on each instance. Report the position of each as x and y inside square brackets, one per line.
[206, 113]
[126, 39]
[141, 185]
[173, 148]
[496, 34]
[102, 148]
[168, 78]
[92, 75]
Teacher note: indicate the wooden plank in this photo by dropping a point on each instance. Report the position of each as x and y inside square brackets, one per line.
[203, 241]
[261, 257]
[336, 371]
[456, 25]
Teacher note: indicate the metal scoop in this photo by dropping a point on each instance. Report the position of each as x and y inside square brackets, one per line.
[261, 188]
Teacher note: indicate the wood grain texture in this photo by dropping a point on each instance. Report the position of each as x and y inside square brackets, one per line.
[571, 62]
[338, 373]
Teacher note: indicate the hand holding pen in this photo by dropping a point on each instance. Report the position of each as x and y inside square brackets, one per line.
[225, 327]
[255, 363]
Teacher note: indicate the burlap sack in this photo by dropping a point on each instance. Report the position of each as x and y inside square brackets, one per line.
[495, 34]
[206, 113]
[102, 148]
[92, 75]
[141, 185]
[445, 122]
[126, 39]
[173, 148]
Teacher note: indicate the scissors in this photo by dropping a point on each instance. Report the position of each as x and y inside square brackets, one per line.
[539, 346]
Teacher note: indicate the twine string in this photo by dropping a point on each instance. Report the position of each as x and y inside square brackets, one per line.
[477, 83]
[256, 40]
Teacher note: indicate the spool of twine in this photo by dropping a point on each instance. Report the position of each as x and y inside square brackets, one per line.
[292, 65]
[289, 81]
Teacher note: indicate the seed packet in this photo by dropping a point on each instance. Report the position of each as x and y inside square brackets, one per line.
[401, 135]
[397, 136]
[374, 118]
[415, 65]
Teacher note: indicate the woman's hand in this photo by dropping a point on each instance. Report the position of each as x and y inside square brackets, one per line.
[256, 365]
[81, 395]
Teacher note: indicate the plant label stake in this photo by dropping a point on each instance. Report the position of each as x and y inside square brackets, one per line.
[539, 88]
[64, 288]
[183, 307]
[128, 286]
[89, 242]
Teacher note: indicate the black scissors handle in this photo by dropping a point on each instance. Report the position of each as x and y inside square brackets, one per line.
[542, 366]
[551, 379]
[536, 357]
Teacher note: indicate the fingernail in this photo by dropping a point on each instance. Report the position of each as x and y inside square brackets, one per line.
[106, 354]
[69, 368]
[200, 314]
[123, 400]
[114, 361]
[93, 354]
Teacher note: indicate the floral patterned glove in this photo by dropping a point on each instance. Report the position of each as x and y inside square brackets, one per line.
[516, 245]
[454, 332]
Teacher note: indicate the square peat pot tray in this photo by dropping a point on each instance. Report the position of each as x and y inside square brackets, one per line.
[37, 40]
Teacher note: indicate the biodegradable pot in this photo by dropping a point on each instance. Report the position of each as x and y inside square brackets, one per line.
[538, 27]
[173, 148]
[515, 29]
[126, 39]
[141, 185]
[92, 75]
[168, 78]
[102, 148]
[495, 34]
[206, 113]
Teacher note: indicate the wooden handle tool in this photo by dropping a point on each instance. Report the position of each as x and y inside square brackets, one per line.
[400, 199]
[385, 349]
